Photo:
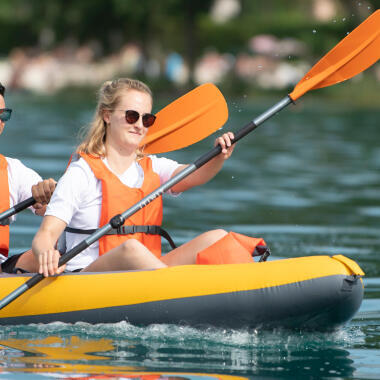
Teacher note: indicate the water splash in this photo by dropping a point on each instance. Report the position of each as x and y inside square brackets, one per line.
[159, 347]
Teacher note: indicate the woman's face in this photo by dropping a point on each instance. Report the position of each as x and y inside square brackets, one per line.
[120, 134]
[2, 105]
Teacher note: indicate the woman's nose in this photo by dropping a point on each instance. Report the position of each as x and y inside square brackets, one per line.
[139, 122]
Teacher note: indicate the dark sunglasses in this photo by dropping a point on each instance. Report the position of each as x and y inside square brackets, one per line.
[5, 114]
[148, 119]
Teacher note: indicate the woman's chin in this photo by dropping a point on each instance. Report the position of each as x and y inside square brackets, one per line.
[137, 138]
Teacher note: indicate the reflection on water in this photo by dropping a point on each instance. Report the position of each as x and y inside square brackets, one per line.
[308, 182]
[164, 348]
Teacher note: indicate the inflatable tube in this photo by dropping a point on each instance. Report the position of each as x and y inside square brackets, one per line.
[318, 292]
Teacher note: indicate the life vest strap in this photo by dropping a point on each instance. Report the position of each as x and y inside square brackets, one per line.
[127, 230]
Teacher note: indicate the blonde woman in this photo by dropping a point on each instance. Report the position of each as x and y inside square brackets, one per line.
[110, 175]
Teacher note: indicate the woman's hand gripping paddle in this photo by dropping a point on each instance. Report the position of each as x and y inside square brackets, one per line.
[184, 122]
[355, 53]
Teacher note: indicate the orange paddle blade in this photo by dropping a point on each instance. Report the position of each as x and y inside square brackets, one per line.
[355, 53]
[187, 120]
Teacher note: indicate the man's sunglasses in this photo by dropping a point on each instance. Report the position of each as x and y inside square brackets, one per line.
[148, 119]
[5, 114]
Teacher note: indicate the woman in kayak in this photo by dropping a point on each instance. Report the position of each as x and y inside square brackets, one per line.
[109, 175]
[18, 183]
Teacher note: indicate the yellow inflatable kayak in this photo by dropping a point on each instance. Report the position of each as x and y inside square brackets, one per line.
[317, 292]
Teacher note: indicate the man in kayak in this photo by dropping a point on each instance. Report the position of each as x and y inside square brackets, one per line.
[112, 174]
[18, 183]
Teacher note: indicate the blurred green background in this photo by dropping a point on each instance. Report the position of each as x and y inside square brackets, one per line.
[246, 47]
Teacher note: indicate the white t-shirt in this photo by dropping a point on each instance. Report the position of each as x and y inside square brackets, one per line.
[77, 200]
[20, 182]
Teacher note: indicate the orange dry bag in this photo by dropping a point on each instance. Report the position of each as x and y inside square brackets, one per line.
[233, 248]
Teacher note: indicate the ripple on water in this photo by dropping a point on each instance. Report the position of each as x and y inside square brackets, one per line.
[370, 211]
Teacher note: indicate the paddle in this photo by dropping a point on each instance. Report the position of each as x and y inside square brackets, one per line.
[355, 53]
[177, 126]
[362, 37]
[17, 208]
[187, 120]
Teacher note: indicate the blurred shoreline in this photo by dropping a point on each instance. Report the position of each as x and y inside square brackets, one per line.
[271, 65]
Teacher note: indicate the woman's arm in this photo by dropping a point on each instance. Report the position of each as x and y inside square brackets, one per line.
[44, 243]
[208, 170]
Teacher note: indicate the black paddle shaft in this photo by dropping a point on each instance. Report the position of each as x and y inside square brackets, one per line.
[118, 220]
[17, 208]
[245, 130]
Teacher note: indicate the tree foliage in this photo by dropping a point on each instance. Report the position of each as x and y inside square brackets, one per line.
[184, 26]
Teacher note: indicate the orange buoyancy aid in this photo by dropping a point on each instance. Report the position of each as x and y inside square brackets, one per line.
[117, 198]
[4, 205]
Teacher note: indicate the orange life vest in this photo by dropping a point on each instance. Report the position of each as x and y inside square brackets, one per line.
[4, 205]
[117, 198]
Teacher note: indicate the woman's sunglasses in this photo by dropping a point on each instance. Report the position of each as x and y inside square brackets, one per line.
[131, 117]
[5, 114]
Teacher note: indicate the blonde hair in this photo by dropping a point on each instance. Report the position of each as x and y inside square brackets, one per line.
[108, 99]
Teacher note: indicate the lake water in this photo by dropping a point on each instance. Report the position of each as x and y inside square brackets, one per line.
[307, 181]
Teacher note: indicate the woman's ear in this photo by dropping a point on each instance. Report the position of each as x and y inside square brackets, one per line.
[106, 116]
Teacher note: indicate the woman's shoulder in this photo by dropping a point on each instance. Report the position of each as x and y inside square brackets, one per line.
[16, 167]
[161, 160]
[16, 163]
[164, 167]
[79, 171]
[79, 164]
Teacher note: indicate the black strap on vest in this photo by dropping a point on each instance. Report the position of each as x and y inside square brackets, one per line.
[127, 230]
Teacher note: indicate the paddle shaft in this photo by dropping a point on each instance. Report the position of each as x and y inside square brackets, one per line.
[17, 208]
[118, 220]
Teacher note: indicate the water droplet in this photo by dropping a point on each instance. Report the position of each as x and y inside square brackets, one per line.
[343, 19]
[348, 33]
[360, 4]
[369, 7]
[314, 31]
[233, 177]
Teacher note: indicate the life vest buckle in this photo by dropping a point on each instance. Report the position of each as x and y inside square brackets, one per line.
[117, 221]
